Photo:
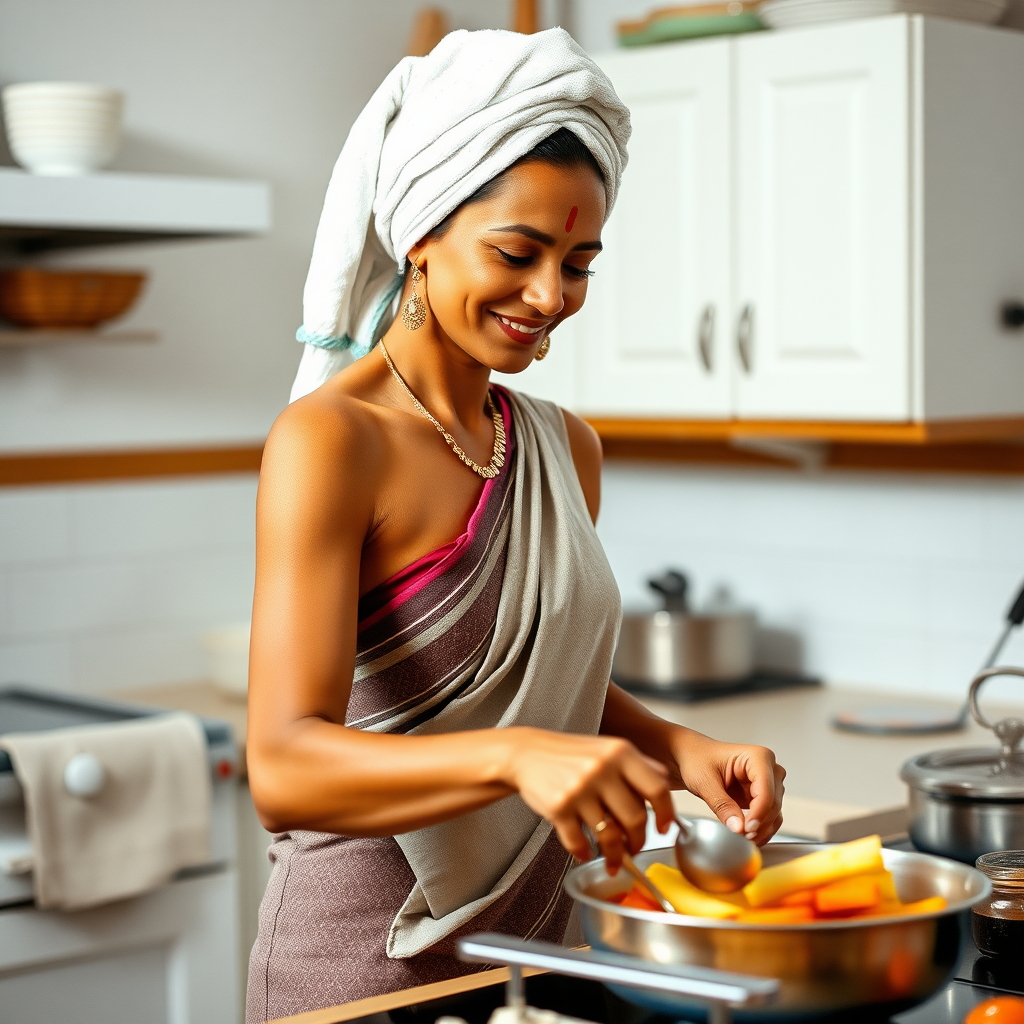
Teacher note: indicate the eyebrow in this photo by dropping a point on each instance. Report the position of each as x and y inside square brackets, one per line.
[545, 239]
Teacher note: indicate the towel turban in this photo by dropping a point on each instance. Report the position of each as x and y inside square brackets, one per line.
[437, 129]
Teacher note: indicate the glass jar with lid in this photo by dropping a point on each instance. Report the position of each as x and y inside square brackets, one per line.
[997, 923]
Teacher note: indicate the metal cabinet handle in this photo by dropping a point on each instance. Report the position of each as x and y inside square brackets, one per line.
[719, 989]
[745, 337]
[706, 336]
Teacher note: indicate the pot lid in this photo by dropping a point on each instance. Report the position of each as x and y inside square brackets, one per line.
[984, 773]
[980, 773]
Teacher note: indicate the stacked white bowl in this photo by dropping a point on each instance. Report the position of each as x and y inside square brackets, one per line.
[62, 128]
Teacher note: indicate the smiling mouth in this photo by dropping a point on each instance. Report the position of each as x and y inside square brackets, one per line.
[517, 329]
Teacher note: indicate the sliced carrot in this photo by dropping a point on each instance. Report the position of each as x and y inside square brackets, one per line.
[777, 915]
[617, 897]
[638, 900]
[804, 898]
[847, 895]
[925, 906]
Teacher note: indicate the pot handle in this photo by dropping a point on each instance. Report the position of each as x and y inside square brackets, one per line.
[1009, 731]
[718, 989]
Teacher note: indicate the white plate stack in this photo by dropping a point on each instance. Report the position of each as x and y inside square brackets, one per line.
[62, 128]
[793, 13]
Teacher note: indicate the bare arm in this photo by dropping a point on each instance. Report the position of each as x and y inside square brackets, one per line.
[306, 768]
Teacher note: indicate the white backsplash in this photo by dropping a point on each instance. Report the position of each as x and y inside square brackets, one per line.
[897, 583]
[890, 582]
[110, 586]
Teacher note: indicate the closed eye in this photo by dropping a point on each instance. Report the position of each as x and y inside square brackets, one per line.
[515, 261]
[524, 261]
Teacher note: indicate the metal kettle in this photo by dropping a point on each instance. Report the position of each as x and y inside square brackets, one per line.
[669, 648]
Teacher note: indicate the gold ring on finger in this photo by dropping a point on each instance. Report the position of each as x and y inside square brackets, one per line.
[601, 826]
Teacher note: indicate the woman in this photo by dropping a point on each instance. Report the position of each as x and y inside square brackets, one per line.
[432, 729]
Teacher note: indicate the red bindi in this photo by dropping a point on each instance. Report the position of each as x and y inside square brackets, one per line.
[572, 219]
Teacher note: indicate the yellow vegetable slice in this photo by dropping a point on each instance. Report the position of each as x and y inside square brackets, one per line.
[686, 897]
[862, 856]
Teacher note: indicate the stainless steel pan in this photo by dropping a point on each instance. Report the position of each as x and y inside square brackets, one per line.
[821, 967]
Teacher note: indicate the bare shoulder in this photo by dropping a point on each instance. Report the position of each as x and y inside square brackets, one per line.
[322, 458]
[587, 456]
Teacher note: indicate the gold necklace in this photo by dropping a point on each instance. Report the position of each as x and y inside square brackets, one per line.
[493, 467]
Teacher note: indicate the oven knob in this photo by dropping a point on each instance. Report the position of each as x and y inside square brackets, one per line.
[84, 775]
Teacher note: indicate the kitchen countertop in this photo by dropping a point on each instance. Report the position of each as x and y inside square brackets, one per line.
[838, 785]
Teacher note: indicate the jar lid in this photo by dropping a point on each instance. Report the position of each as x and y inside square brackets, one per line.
[1003, 866]
[982, 773]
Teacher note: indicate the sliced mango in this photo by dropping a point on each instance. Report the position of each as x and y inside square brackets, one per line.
[686, 897]
[861, 856]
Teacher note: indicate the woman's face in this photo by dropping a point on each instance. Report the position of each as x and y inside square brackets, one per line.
[513, 266]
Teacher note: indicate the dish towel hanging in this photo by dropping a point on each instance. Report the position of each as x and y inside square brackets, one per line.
[113, 810]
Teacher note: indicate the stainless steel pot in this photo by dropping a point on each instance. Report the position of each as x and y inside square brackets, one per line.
[663, 649]
[822, 967]
[968, 801]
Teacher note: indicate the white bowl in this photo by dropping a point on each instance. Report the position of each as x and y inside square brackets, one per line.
[62, 128]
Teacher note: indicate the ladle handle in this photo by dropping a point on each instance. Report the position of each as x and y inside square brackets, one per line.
[645, 883]
[718, 988]
[1009, 731]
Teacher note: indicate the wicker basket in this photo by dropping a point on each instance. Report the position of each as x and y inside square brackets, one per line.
[66, 298]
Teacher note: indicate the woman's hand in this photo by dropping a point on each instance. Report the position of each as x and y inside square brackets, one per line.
[583, 780]
[742, 784]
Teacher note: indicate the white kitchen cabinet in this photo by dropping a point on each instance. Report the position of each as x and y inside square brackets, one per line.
[847, 198]
[822, 240]
[653, 335]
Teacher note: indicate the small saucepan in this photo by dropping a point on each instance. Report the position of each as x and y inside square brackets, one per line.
[661, 650]
[968, 801]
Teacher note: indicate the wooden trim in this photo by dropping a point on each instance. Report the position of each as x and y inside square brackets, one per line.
[406, 997]
[1000, 458]
[82, 467]
[909, 447]
[945, 431]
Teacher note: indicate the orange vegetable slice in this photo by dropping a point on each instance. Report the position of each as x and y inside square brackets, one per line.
[638, 900]
[804, 898]
[847, 895]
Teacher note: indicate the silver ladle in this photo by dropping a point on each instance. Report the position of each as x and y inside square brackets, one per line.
[713, 857]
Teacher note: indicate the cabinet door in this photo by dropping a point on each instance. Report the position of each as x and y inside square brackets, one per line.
[823, 223]
[652, 337]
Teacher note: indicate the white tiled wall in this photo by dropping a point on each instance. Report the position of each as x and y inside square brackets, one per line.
[890, 582]
[110, 586]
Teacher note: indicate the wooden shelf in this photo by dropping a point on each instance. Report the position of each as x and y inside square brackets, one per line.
[13, 337]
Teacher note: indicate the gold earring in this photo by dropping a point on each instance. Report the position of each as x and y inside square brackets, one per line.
[543, 350]
[414, 309]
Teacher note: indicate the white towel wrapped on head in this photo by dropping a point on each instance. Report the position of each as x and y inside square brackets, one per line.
[437, 129]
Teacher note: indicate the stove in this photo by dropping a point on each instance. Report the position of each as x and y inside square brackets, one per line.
[976, 979]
